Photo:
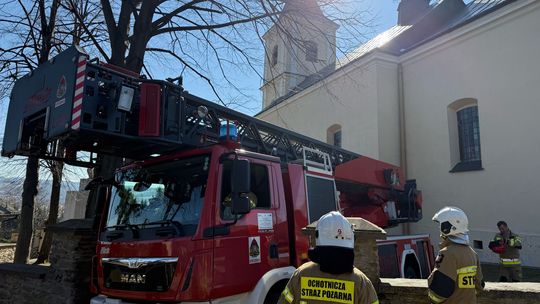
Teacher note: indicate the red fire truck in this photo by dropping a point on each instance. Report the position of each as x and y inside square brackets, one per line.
[210, 208]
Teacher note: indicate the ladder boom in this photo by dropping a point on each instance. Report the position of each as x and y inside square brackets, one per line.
[102, 109]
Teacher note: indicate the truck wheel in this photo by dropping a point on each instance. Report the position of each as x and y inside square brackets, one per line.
[273, 295]
[410, 273]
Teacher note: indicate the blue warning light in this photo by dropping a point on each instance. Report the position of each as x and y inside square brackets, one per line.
[233, 131]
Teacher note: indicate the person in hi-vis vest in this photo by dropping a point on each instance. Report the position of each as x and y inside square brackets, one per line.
[457, 275]
[507, 245]
[330, 276]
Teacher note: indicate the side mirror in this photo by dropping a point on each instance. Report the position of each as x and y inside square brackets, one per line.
[240, 186]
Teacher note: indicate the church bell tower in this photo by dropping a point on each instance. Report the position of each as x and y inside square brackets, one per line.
[300, 44]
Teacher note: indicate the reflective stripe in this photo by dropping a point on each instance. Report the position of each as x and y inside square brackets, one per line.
[467, 269]
[288, 295]
[466, 277]
[510, 261]
[435, 298]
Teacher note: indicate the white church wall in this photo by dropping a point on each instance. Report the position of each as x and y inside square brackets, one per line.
[348, 98]
[498, 66]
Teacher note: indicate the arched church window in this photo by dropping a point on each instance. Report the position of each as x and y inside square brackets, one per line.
[333, 135]
[464, 135]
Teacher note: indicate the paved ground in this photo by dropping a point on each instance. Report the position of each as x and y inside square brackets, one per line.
[491, 273]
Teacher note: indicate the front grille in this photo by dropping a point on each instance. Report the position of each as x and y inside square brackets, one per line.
[139, 274]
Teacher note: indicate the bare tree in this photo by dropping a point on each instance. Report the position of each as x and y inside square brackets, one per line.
[35, 36]
[41, 43]
[56, 168]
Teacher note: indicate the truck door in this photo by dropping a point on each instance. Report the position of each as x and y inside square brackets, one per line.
[248, 248]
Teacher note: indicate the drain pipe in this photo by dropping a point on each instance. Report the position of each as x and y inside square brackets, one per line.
[406, 229]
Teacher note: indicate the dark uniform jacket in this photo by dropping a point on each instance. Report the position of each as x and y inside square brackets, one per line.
[309, 285]
[457, 275]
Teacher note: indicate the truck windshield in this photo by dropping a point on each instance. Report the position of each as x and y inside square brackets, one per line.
[171, 192]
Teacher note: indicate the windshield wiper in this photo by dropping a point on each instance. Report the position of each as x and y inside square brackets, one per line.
[170, 227]
[165, 222]
[134, 229]
[122, 226]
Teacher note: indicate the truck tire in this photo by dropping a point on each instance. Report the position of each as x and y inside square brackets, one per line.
[273, 295]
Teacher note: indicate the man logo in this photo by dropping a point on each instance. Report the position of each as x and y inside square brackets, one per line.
[133, 278]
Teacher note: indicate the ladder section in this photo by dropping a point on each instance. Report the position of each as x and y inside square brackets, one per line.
[259, 136]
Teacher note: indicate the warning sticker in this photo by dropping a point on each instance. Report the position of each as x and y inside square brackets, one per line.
[327, 290]
[265, 222]
[61, 89]
[254, 244]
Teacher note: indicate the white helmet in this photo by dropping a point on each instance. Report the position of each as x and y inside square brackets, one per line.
[333, 229]
[452, 220]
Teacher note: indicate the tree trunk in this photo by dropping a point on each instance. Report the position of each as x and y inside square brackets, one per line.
[27, 210]
[53, 212]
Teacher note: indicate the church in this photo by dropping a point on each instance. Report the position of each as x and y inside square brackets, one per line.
[451, 94]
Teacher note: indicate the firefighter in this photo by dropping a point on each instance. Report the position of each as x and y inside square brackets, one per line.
[507, 245]
[457, 275]
[330, 276]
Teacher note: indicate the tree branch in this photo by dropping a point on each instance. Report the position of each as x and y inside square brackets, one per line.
[88, 32]
[209, 26]
[189, 67]
[109, 19]
[31, 31]
[168, 17]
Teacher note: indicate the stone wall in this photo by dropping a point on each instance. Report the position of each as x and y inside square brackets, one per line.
[410, 291]
[367, 259]
[25, 284]
[67, 278]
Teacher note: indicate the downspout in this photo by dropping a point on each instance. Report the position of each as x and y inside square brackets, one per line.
[406, 229]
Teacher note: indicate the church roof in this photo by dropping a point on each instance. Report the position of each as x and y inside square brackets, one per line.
[444, 16]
